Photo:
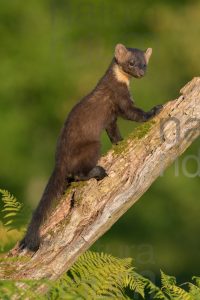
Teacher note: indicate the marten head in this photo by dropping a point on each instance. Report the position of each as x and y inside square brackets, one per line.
[131, 62]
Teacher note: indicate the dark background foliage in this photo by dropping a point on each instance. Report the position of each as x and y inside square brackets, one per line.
[52, 53]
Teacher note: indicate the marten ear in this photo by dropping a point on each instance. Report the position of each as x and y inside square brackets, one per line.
[147, 54]
[120, 52]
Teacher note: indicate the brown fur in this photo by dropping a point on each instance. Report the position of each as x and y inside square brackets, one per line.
[78, 148]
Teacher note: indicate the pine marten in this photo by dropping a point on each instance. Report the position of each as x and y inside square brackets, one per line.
[78, 147]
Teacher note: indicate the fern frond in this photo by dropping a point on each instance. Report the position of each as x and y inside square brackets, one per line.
[102, 276]
[194, 291]
[171, 289]
[196, 280]
[98, 276]
[194, 288]
[11, 208]
[140, 285]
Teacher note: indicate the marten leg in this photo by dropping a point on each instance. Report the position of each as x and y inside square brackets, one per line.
[129, 112]
[83, 162]
[114, 133]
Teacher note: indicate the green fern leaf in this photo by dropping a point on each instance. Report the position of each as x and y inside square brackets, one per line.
[196, 280]
[171, 289]
[98, 276]
[10, 210]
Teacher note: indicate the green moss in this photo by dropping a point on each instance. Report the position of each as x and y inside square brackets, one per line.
[141, 130]
[22, 289]
[14, 259]
[138, 133]
[74, 185]
[69, 189]
[78, 199]
[120, 147]
[8, 265]
[8, 271]
[63, 223]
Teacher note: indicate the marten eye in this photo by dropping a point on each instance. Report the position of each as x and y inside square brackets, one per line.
[131, 63]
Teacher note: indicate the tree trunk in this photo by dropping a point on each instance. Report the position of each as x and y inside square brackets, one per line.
[90, 208]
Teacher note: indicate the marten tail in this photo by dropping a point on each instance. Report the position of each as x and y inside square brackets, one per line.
[54, 189]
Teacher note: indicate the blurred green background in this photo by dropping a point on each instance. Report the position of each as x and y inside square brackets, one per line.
[52, 53]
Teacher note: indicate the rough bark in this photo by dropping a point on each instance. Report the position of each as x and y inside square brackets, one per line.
[90, 208]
